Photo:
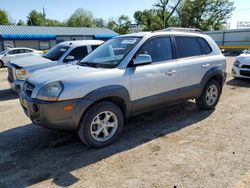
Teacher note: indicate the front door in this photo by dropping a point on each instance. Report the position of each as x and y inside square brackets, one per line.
[156, 83]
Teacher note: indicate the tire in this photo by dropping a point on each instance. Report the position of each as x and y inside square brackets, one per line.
[209, 101]
[93, 125]
[1, 64]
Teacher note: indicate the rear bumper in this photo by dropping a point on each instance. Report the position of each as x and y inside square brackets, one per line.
[52, 114]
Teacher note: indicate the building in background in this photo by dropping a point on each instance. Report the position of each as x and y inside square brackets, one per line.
[243, 25]
[234, 40]
[43, 38]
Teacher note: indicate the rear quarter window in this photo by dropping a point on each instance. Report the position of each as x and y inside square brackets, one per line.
[205, 46]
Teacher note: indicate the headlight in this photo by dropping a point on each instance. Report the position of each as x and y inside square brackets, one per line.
[236, 63]
[21, 74]
[51, 91]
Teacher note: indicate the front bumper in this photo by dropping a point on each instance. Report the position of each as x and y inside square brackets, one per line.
[52, 114]
[240, 72]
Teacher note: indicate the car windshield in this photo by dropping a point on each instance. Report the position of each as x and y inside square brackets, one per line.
[3, 52]
[56, 52]
[110, 54]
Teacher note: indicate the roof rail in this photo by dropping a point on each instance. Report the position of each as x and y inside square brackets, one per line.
[193, 30]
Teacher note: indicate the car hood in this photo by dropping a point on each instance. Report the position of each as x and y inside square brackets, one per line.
[244, 58]
[29, 61]
[62, 73]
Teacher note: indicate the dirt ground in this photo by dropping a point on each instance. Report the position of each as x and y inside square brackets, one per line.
[178, 146]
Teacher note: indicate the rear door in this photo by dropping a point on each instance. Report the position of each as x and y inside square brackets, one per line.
[156, 83]
[193, 61]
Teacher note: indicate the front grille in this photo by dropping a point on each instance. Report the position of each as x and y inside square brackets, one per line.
[28, 88]
[245, 66]
[245, 73]
[10, 74]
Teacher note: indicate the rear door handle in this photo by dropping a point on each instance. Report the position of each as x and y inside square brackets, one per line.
[206, 65]
[171, 72]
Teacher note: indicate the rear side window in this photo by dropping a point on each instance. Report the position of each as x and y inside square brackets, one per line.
[79, 53]
[160, 49]
[205, 46]
[188, 47]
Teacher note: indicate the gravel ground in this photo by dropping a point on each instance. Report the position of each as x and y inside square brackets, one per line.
[178, 146]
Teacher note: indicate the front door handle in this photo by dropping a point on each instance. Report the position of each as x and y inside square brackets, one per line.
[206, 65]
[171, 73]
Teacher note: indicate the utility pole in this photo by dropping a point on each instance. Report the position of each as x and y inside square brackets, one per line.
[44, 19]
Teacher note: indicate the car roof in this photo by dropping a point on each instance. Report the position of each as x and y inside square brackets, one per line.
[159, 33]
[19, 48]
[82, 43]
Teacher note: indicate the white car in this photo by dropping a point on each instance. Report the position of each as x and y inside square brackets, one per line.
[63, 53]
[14, 53]
[241, 67]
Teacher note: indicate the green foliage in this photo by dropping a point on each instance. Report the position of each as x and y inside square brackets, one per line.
[55, 23]
[35, 18]
[205, 14]
[121, 25]
[99, 22]
[21, 23]
[81, 18]
[4, 19]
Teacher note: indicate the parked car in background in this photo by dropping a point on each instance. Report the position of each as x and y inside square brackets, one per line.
[125, 76]
[241, 67]
[14, 53]
[61, 54]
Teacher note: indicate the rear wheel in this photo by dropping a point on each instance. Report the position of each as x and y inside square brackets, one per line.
[101, 125]
[210, 96]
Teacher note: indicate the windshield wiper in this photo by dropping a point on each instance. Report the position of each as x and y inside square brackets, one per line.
[88, 64]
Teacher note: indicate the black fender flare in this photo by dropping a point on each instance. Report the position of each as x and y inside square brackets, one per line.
[215, 71]
[118, 91]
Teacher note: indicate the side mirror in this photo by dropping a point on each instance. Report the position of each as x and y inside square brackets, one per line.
[69, 58]
[142, 59]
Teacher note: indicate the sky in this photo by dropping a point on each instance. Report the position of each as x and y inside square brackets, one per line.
[62, 9]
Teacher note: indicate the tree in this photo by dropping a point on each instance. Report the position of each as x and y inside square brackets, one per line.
[148, 20]
[123, 24]
[99, 22]
[21, 23]
[166, 10]
[81, 18]
[36, 18]
[205, 14]
[4, 18]
[51, 22]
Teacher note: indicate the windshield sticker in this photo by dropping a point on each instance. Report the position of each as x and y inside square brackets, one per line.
[129, 41]
[63, 50]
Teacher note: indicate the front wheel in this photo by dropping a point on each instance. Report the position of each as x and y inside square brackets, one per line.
[210, 96]
[101, 125]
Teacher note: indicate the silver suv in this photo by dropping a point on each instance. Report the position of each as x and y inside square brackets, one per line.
[125, 76]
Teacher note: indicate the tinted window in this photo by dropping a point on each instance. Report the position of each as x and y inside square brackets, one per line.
[79, 53]
[160, 49]
[28, 51]
[188, 46]
[56, 52]
[204, 45]
[94, 47]
[13, 52]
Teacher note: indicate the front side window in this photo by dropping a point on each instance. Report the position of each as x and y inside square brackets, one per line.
[160, 49]
[56, 52]
[78, 53]
[111, 53]
[188, 46]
